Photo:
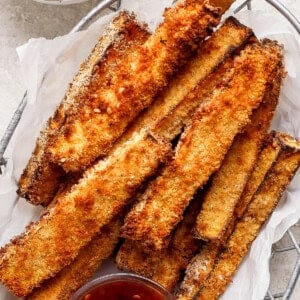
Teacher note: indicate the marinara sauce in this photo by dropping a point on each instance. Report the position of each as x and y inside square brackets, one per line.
[122, 286]
[124, 290]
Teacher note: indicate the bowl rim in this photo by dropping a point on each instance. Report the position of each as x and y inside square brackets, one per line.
[101, 280]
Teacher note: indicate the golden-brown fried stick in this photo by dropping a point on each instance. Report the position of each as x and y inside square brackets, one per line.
[258, 211]
[168, 272]
[131, 257]
[236, 36]
[163, 266]
[222, 4]
[203, 146]
[174, 108]
[198, 270]
[266, 159]
[91, 131]
[190, 87]
[181, 249]
[72, 277]
[230, 180]
[77, 216]
[41, 178]
[202, 264]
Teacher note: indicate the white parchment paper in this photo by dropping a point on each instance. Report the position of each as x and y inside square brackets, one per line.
[49, 65]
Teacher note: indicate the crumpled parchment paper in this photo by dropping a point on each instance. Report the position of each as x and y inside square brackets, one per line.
[49, 65]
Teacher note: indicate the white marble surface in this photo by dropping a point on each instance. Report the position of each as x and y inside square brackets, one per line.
[24, 19]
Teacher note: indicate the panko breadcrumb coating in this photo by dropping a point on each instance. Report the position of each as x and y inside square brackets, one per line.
[203, 146]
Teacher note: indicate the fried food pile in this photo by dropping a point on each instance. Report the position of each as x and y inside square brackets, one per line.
[160, 156]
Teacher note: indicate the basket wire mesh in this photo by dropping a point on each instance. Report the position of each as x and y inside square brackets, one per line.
[114, 5]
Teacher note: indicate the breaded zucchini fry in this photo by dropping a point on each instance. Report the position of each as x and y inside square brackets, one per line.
[131, 257]
[230, 180]
[198, 270]
[79, 214]
[41, 178]
[239, 35]
[163, 266]
[258, 211]
[168, 271]
[190, 87]
[222, 4]
[266, 159]
[202, 264]
[181, 249]
[91, 131]
[73, 276]
[203, 146]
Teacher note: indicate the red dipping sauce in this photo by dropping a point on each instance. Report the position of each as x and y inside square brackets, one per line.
[122, 287]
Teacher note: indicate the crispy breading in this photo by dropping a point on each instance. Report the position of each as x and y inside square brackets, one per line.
[90, 132]
[181, 249]
[168, 272]
[222, 4]
[131, 257]
[198, 270]
[89, 259]
[230, 180]
[219, 48]
[266, 159]
[202, 147]
[163, 266]
[41, 178]
[174, 109]
[202, 264]
[258, 211]
[182, 239]
[76, 217]
[191, 86]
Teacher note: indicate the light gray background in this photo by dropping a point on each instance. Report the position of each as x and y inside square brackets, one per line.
[24, 19]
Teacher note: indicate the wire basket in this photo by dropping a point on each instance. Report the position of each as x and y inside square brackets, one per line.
[290, 241]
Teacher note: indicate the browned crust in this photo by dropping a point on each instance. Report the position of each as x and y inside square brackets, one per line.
[164, 266]
[181, 249]
[138, 78]
[266, 159]
[258, 211]
[222, 4]
[202, 264]
[89, 259]
[216, 56]
[41, 178]
[176, 104]
[79, 214]
[131, 257]
[198, 270]
[170, 267]
[243, 35]
[230, 180]
[202, 147]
